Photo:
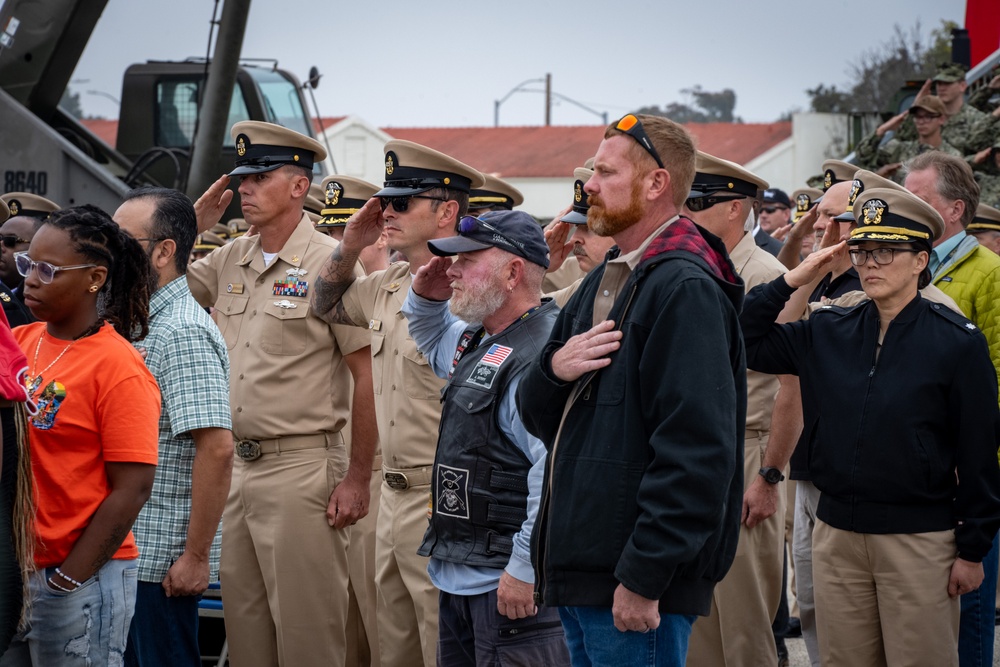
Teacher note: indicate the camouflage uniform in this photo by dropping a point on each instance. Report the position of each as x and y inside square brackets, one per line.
[969, 131]
[873, 156]
[989, 186]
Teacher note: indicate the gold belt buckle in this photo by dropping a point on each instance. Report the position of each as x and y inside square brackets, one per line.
[397, 481]
[248, 450]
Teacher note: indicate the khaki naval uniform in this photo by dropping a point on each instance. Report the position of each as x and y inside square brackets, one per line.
[408, 409]
[738, 631]
[284, 569]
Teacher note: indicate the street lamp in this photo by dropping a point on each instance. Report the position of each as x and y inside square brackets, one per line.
[517, 88]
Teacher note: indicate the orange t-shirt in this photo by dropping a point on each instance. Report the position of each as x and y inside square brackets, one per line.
[97, 403]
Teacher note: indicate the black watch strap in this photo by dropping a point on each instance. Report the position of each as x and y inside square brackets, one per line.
[771, 475]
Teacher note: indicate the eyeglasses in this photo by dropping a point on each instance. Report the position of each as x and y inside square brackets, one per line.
[925, 116]
[402, 203]
[469, 224]
[46, 271]
[631, 126]
[11, 240]
[773, 209]
[708, 201]
[881, 256]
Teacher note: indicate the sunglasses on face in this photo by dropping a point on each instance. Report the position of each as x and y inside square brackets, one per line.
[773, 209]
[631, 126]
[702, 203]
[402, 203]
[46, 271]
[11, 240]
[469, 224]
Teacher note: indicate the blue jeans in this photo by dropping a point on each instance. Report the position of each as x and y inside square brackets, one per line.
[87, 626]
[594, 641]
[976, 629]
[164, 630]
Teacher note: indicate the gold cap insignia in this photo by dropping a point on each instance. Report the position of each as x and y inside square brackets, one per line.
[333, 192]
[578, 192]
[828, 179]
[802, 203]
[390, 163]
[857, 187]
[14, 206]
[874, 210]
[241, 145]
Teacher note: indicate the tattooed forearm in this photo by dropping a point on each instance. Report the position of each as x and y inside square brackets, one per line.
[111, 545]
[331, 283]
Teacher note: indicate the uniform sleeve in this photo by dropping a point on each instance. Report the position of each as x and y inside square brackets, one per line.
[975, 421]
[359, 299]
[203, 276]
[519, 566]
[194, 381]
[771, 348]
[351, 339]
[867, 151]
[128, 419]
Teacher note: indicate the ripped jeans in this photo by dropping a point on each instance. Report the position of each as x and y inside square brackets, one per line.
[88, 626]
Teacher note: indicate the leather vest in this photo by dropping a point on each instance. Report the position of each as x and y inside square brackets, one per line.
[479, 490]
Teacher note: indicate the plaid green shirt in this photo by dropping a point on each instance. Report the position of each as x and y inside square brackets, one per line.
[186, 354]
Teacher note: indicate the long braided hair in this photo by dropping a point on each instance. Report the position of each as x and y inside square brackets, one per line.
[125, 293]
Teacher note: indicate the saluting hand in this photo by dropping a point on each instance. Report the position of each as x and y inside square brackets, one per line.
[815, 265]
[364, 227]
[586, 352]
[556, 233]
[431, 280]
[212, 204]
[892, 124]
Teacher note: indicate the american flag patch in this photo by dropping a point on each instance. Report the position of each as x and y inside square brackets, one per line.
[496, 354]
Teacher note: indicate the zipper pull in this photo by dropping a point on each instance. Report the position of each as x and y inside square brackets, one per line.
[871, 373]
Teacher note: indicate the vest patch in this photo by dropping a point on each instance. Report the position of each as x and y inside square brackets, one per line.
[452, 491]
[483, 375]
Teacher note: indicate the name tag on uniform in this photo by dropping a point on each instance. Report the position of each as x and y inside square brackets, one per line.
[235, 288]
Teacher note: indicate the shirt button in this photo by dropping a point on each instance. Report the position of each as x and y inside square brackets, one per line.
[239, 409]
[241, 376]
[395, 352]
[254, 311]
[392, 422]
[607, 293]
[246, 344]
[394, 387]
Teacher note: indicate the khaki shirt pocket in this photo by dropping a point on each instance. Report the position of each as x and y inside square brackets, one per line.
[229, 310]
[285, 331]
[419, 380]
[378, 361]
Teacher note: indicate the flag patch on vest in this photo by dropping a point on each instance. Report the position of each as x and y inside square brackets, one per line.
[496, 354]
[452, 491]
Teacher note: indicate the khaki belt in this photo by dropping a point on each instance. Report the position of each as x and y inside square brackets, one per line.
[754, 434]
[251, 450]
[404, 478]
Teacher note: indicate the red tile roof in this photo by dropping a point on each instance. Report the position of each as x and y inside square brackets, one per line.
[106, 130]
[555, 151]
[325, 122]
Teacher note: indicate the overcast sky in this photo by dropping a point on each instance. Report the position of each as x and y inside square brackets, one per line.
[433, 63]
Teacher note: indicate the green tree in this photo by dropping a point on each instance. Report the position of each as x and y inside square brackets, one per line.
[70, 103]
[705, 107]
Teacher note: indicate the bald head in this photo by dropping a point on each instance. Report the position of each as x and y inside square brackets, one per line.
[834, 203]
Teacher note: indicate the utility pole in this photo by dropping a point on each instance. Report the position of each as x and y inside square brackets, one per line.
[548, 100]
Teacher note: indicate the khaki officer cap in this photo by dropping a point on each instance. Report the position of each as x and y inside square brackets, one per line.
[714, 175]
[578, 214]
[411, 169]
[343, 197]
[4, 211]
[930, 104]
[897, 216]
[495, 193]
[237, 228]
[207, 242]
[589, 164]
[312, 206]
[864, 180]
[264, 147]
[28, 205]
[835, 171]
[987, 219]
[221, 230]
[804, 199]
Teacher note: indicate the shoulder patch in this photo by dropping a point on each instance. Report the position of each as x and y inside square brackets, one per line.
[829, 309]
[957, 319]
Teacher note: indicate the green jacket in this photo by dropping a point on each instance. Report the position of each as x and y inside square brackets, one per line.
[972, 278]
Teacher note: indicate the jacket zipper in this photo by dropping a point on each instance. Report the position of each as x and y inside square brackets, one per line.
[543, 508]
[861, 424]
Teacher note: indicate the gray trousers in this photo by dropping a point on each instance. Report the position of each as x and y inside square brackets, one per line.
[806, 500]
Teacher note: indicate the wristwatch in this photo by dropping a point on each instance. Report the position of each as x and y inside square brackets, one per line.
[771, 475]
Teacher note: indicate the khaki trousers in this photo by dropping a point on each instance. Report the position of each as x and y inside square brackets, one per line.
[362, 619]
[883, 599]
[738, 631]
[284, 569]
[407, 600]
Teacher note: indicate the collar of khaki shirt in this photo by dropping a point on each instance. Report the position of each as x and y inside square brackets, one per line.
[293, 252]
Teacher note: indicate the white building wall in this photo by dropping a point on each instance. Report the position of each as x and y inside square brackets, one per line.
[815, 138]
